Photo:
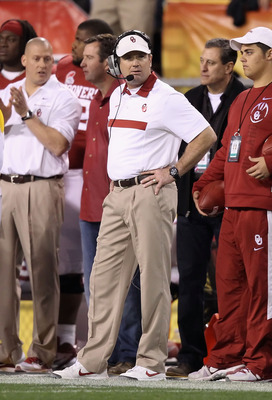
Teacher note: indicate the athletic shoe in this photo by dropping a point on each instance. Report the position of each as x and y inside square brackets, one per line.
[143, 374]
[207, 373]
[243, 374]
[120, 368]
[65, 357]
[10, 367]
[33, 365]
[78, 371]
[4, 368]
[180, 371]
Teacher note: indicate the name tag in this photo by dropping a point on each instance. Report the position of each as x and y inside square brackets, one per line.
[202, 165]
[234, 150]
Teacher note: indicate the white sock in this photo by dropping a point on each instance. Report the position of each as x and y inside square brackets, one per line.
[67, 333]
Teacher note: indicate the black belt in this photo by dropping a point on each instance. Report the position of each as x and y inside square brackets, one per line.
[14, 178]
[125, 183]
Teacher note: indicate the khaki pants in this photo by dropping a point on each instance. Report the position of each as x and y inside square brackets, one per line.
[32, 214]
[136, 228]
[124, 15]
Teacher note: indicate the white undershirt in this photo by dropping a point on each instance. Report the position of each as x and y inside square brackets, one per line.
[10, 75]
[215, 100]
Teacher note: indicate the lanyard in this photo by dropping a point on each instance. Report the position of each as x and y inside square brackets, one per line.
[242, 120]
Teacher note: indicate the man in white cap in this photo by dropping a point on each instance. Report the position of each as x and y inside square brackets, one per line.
[147, 121]
[244, 259]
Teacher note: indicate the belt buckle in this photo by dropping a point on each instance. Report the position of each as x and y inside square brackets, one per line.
[119, 183]
[12, 177]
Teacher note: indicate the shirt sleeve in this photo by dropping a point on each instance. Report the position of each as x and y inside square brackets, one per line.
[181, 118]
[65, 115]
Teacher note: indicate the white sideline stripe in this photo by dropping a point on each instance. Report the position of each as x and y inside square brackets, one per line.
[269, 265]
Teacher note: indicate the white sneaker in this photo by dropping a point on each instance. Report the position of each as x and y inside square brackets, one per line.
[78, 371]
[32, 365]
[207, 373]
[143, 374]
[243, 374]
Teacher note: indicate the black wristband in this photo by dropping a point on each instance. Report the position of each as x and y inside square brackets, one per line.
[28, 115]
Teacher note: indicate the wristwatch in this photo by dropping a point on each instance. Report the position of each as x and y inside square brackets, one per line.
[28, 115]
[173, 171]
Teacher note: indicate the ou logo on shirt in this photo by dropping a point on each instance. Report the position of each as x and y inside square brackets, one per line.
[259, 112]
[70, 78]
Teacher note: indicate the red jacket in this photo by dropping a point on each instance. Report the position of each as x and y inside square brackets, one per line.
[252, 109]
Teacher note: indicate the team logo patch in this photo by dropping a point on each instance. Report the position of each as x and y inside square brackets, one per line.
[259, 112]
[259, 243]
[132, 39]
[39, 112]
[69, 79]
[144, 107]
[258, 240]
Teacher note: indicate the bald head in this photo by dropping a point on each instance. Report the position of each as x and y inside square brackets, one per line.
[38, 42]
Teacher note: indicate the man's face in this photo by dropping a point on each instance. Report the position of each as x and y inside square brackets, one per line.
[94, 70]
[138, 64]
[38, 62]
[212, 72]
[78, 45]
[9, 49]
[254, 61]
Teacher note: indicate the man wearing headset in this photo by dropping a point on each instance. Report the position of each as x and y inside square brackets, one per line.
[147, 121]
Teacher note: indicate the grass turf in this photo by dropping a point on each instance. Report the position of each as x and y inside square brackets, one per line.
[51, 392]
[43, 388]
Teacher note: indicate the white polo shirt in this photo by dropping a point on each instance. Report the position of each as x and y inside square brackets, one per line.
[146, 128]
[57, 107]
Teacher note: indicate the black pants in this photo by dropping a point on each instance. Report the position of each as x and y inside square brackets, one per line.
[194, 239]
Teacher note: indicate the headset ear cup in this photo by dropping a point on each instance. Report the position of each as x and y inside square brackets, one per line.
[114, 65]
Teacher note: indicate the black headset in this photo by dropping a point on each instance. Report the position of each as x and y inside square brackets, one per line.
[113, 60]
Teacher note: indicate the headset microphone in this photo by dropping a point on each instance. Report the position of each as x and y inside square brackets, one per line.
[127, 78]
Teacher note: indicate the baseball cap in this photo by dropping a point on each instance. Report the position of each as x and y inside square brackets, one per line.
[132, 43]
[255, 35]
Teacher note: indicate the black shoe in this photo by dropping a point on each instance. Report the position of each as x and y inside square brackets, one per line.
[65, 357]
[120, 368]
[181, 371]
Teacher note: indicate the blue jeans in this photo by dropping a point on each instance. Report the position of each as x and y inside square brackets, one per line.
[130, 329]
[89, 232]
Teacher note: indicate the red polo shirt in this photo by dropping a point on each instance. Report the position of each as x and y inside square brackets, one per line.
[73, 77]
[95, 178]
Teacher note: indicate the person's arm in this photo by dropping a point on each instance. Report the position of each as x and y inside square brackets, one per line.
[194, 151]
[6, 110]
[51, 138]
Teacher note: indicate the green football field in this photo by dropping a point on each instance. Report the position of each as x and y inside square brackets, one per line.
[26, 387]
